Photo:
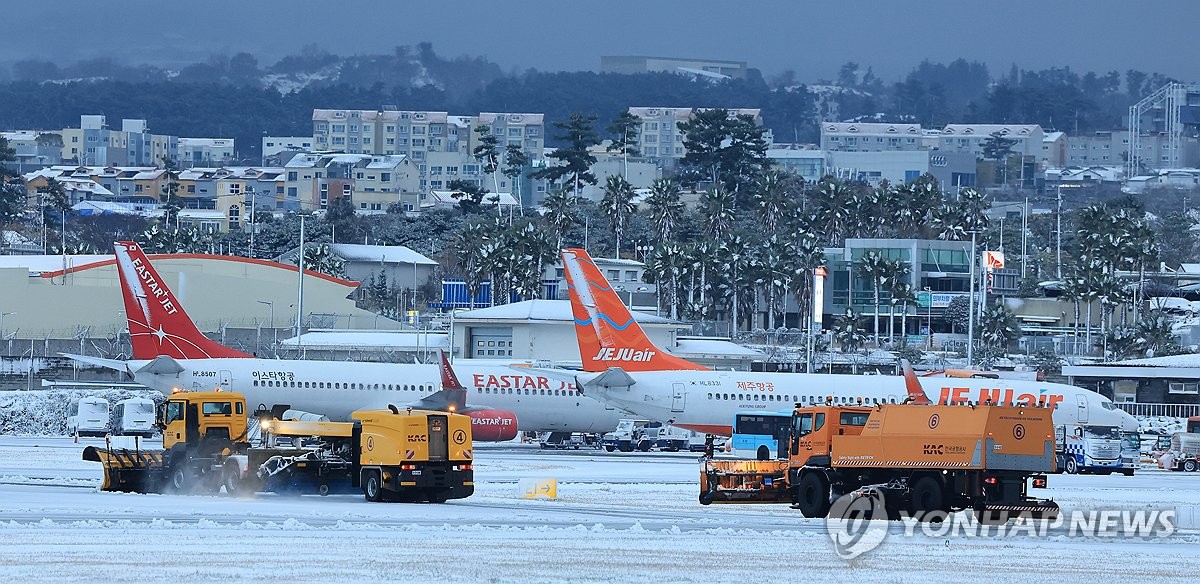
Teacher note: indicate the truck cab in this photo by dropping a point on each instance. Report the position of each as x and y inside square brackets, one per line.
[189, 417]
[813, 429]
[1088, 448]
[1131, 452]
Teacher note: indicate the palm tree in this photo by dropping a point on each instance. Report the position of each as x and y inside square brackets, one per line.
[736, 261]
[618, 206]
[770, 199]
[468, 249]
[847, 332]
[876, 269]
[560, 214]
[899, 290]
[666, 208]
[667, 265]
[718, 206]
[834, 208]
[998, 327]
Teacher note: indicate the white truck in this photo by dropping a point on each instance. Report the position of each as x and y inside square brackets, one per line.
[1131, 452]
[645, 435]
[1184, 453]
[1088, 448]
[88, 417]
[135, 417]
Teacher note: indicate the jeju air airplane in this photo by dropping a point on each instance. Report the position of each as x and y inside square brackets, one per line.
[624, 368]
[170, 354]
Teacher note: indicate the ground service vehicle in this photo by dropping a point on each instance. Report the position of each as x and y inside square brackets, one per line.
[1088, 448]
[390, 454]
[1131, 452]
[1184, 453]
[135, 417]
[627, 435]
[88, 417]
[920, 458]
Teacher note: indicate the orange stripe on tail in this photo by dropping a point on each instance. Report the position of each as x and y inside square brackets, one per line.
[607, 333]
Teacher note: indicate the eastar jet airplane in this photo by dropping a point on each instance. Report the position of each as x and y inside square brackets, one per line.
[626, 370]
[171, 354]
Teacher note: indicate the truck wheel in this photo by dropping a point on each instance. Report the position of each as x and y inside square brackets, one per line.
[1127, 473]
[764, 453]
[644, 447]
[706, 497]
[1071, 465]
[812, 495]
[179, 480]
[927, 502]
[438, 497]
[231, 477]
[1189, 465]
[625, 447]
[609, 447]
[373, 487]
[323, 489]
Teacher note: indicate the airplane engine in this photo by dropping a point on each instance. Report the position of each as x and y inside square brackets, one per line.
[493, 425]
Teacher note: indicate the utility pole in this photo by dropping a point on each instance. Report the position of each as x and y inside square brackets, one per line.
[971, 308]
[1058, 231]
[1024, 237]
[300, 291]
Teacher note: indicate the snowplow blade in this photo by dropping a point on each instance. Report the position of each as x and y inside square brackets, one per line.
[744, 481]
[130, 471]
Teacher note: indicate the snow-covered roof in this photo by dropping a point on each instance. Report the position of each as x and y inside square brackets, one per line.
[985, 130]
[1053, 136]
[1190, 360]
[369, 340]
[552, 310]
[384, 254]
[101, 207]
[201, 214]
[148, 174]
[205, 142]
[714, 347]
[386, 161]
[446, 198]
[871, 128]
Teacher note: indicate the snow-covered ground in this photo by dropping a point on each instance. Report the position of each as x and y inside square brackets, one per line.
[618, 518]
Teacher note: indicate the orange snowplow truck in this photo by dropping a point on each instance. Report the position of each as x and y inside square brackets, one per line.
[923, 458]
[920, 458]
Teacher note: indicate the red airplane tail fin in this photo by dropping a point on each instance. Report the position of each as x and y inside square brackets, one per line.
[158, 324]
[916, 394]
[607, 333]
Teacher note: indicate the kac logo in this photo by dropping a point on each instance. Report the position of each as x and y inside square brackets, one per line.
[857, 523]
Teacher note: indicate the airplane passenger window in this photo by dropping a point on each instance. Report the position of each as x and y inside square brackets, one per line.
[255, 383]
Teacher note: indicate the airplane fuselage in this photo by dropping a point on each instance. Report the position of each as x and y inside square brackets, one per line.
[337, 388]
[708, 400]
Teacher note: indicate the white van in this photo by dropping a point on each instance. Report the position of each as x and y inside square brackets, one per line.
[88, 417]
[135, 417]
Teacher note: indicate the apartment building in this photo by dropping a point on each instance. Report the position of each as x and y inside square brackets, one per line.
[371, 182]
[659, 137]
[206, 151]
[875, 137]
[273, 146]
[971, 138]
[93, 143]
[1111, 148]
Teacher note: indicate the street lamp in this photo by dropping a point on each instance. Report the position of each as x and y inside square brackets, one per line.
[644, 250]
[929, 318]
[2, 315]
[274, 331]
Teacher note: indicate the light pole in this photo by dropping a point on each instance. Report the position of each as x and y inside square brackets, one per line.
[251, 193]
[971, 306]
[275, 331]
[929, 319]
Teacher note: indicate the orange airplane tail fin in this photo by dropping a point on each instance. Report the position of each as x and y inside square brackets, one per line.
[607, 333]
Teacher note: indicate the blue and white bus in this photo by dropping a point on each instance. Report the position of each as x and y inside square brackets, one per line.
[758, 434]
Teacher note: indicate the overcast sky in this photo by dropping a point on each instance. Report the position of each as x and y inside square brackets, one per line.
[811, 37]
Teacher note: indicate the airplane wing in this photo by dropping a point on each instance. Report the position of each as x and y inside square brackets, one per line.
[114, 364]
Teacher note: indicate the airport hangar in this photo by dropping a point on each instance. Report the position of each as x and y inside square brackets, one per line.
[249, 304]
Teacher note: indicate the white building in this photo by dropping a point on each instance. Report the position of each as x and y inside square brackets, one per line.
[206, 151]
